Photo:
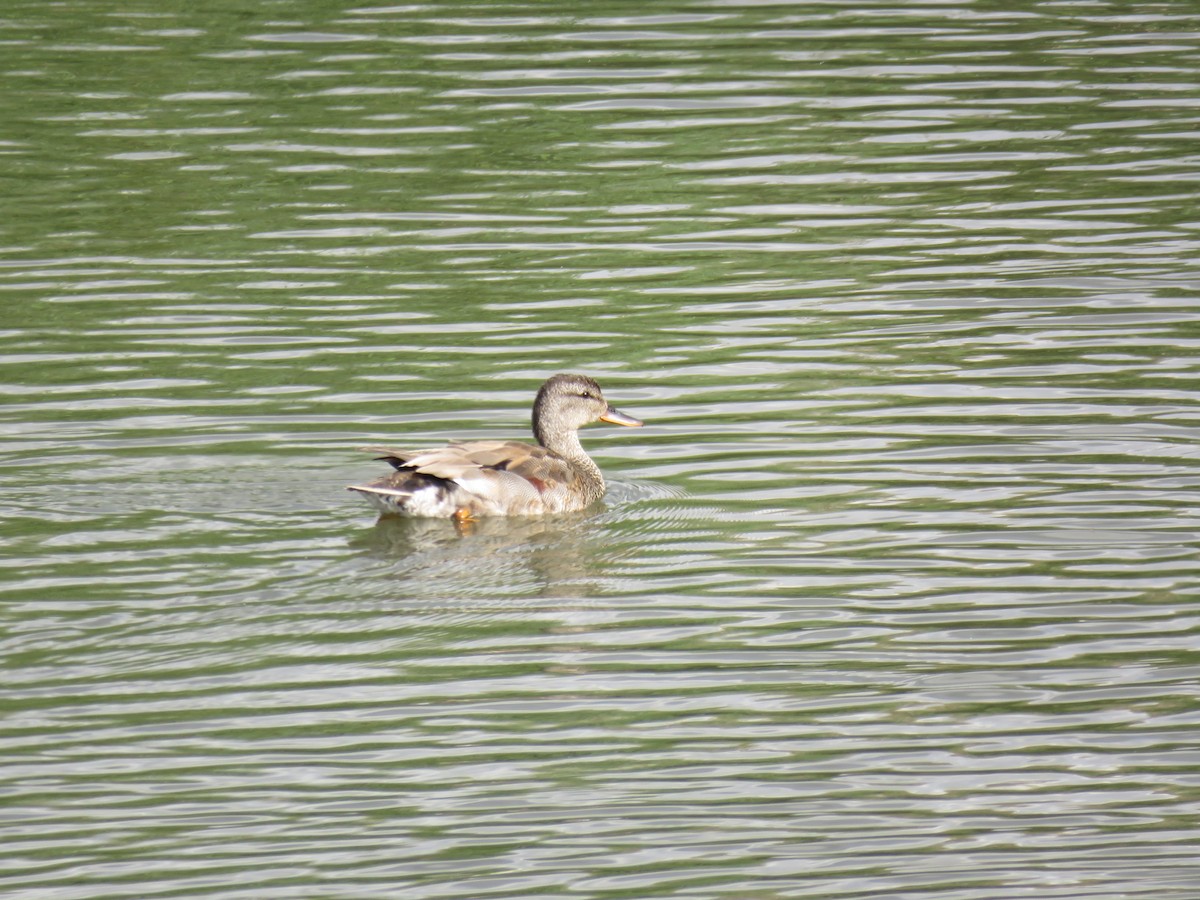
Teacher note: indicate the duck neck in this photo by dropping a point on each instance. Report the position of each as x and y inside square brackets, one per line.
[566, 444]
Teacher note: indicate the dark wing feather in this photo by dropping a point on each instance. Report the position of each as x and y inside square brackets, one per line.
[395, 458]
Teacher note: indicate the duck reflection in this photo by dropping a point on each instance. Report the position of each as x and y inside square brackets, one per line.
[501, 556]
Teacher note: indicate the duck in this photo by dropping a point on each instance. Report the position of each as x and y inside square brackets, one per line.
[466, 480]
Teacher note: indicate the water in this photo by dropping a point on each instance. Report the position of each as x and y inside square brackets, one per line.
[893, 595]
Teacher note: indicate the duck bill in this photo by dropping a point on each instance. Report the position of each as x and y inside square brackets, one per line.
[616, 417]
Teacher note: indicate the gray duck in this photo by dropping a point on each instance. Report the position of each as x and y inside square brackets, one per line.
[466, 480]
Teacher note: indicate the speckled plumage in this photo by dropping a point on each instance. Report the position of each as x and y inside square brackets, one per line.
[504, 478]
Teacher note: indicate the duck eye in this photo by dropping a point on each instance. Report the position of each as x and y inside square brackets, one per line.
[587, 395]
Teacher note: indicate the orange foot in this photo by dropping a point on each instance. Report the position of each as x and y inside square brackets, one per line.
[464, 521]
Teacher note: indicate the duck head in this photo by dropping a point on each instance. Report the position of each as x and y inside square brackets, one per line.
[565, 403]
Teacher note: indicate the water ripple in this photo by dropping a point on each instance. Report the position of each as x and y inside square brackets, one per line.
[893, 596]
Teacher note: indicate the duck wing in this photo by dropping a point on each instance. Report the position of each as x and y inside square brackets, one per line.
[502, 463]
[542, 468]
[487, 477]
